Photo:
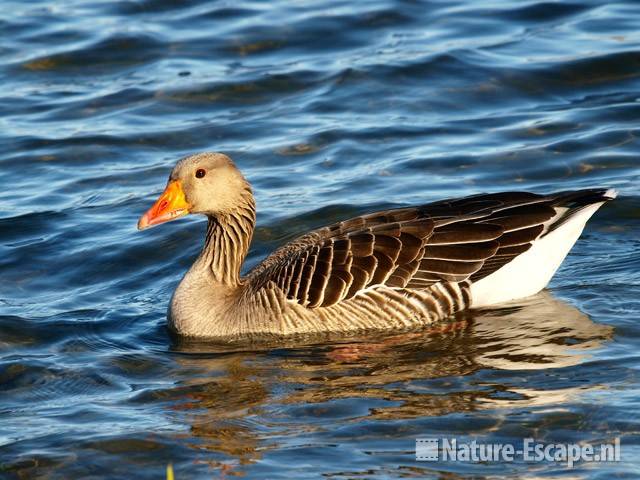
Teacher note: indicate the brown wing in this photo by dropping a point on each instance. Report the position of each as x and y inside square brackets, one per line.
[336, 262]
[453, 241]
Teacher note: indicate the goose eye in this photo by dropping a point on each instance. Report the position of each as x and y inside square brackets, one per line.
[201, 172]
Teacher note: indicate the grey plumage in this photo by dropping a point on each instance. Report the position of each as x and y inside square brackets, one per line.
[392, 269]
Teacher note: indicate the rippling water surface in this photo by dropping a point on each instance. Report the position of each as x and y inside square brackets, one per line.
[330, 109]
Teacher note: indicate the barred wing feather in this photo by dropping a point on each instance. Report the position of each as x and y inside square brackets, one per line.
[414, 248]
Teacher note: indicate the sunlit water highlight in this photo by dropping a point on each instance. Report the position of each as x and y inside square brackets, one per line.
[330, 109]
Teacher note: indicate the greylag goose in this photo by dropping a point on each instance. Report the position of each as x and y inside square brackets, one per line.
[396, 268]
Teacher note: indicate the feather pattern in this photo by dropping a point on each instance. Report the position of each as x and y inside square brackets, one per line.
[412, 248]
[397, 268]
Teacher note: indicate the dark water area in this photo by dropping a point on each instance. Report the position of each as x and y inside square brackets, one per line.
[330, 109]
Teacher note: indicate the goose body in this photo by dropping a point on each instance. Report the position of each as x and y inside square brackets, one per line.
[391, 269]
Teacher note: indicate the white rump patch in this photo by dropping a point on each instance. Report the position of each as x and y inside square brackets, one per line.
[531, 271]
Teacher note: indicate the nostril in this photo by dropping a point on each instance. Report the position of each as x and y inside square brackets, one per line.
[163, 204]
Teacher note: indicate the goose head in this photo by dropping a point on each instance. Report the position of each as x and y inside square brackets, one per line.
[205, 183]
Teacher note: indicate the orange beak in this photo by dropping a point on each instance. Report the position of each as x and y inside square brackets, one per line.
[169, 206]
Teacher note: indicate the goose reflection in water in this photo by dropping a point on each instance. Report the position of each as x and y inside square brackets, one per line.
[242, 399]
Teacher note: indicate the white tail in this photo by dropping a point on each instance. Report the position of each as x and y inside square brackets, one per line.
[531, 271]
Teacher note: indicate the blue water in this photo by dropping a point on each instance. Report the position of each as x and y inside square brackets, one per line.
[330, 109]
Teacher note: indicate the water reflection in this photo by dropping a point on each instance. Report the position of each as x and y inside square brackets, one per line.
[240, 402]
[331, 110]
